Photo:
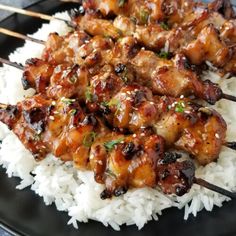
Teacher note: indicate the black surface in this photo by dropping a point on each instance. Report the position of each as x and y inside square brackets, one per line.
[25, 213]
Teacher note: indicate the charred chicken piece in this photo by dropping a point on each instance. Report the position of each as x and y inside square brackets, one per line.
[55, 81]
[177, 32]
[137, 161]
[131, 107]
[166, 77]
[120, 162]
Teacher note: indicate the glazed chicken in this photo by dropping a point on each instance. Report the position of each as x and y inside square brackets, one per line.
[128, 106]
[119, 161]
[110, 104]
[163, 76]
[199, 31]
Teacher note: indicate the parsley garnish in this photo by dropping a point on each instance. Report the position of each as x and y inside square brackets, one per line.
[67, 101]
[73, 79]
[121, 3]
[111, 144]
[164, 55]
[144, 15]
[164, 26]
[115, 102]
[180, 107]
[88, 95]
[89, 139]
[73, 112]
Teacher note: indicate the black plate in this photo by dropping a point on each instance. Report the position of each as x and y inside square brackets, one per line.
[24, 213]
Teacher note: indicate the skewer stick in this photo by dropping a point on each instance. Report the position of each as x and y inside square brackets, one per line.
[14, 64]
[231, 145]
[214, 188]
[31, 13]
[20, 36]
[229, 97]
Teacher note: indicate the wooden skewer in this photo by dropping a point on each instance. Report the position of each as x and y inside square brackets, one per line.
[229, 97]
[14, 64]
[20, 36]
[214, 188]
[231, 145]
[31, 13]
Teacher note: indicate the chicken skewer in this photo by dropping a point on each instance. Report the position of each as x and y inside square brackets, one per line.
[172, 11]
[168, 77]
[157, 36]
[131, 107]
[195, 44]
[120, 162]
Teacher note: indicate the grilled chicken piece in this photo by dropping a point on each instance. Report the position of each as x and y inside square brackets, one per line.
[120, 162]
[186, 33]
[46, 125]
[223, 6]
[199, 37]
[138, 161]
[198, 130]
[131, 107]
[165, 77]
[55, 81]
[185, 125]
[207, 47]
[143, 11]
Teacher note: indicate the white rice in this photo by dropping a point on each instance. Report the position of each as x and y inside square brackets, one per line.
[76, 191]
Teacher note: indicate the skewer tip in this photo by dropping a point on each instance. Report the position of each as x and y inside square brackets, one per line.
[229, 97]
[231, 145]
[214, 188]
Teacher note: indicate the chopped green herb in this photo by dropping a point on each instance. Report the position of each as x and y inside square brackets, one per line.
[144, 15]
[88, 95]
[164, 55]
[121, 3]
[180, 107]
[67, 101]
[111, 144]
[110, 173]
[164, 26]
[73, 112]
[89, 139]
[116, 103]
[37, 137]
[73, 79]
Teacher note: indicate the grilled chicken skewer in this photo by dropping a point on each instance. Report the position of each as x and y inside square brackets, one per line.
[174, 12]
[204, 42]
[196, 33]
[131, 107]
[118, 161]
[164, 77]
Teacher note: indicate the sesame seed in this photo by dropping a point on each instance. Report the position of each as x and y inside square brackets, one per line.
[134, 135]
[51, 118]
[100, 162]
[53, 103]
[217, 135]
[182, 96]
[39, 132]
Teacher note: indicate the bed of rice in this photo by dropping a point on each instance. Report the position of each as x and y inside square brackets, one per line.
[76, 192]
